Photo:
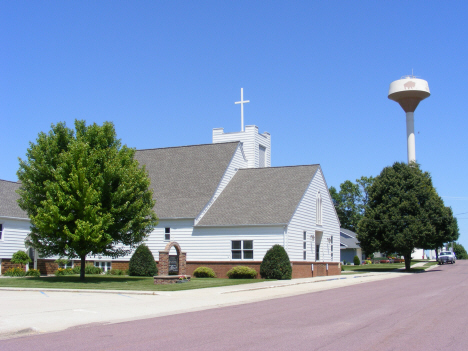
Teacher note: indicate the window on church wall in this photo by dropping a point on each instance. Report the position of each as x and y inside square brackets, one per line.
[242, 249]
[1, 231]
[167, 234]
[261, 156]
[304, 245]
[318, 209]
[105, 266]
[317, 252]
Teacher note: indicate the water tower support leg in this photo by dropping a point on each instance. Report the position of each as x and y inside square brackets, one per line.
[410, 137]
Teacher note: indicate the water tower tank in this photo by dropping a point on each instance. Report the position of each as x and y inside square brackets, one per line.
[409, 91]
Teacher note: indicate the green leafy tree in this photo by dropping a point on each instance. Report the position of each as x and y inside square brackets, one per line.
[398, 218]
[445, 226]
[351, 201]
[84, 193]
[460, 251]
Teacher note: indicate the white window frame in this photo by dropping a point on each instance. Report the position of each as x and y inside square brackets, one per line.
[261, 149]
[318, 209]
[104, 265]
[167, 231]
[304, 245]
[242, 250]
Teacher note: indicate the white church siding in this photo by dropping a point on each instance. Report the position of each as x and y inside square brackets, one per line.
[213, 243]
[251, 139]
[14, 233]
[304, 219]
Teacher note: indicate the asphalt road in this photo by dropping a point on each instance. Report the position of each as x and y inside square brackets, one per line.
[426, 311]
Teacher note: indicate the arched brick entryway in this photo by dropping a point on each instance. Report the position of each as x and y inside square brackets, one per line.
[163, 266]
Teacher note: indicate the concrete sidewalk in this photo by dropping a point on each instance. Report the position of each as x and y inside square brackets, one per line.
[30, 311]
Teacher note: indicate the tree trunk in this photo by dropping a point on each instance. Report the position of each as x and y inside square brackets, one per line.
[437, 254]
[407, 261]
[82, 268]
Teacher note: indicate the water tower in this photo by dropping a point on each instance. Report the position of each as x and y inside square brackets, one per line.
[409, 91]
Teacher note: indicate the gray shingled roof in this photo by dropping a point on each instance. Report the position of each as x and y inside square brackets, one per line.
[259, 196]
[8, 200]
[185, 178]
[348, 239]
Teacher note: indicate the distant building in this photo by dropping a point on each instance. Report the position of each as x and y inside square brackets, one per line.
[349, 246]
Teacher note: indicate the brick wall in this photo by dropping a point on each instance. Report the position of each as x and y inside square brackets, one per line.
[300, 269]
[6, 265]
[221, 268]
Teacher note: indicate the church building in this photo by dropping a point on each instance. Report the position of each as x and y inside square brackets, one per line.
[223, 204]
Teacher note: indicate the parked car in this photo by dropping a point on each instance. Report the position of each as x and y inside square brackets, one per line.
[446, 257]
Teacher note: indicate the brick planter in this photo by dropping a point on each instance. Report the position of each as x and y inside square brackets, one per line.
[169, 279]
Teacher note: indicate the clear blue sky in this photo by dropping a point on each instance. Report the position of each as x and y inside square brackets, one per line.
[316, 73]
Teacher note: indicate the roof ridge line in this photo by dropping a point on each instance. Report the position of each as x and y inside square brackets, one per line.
[257, 168]
[175, 147]
[10, 181]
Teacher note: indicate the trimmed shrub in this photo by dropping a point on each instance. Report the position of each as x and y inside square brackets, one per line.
[33, 273]
[204, 272]
[15, 272]
[276, 264]
[241, 272]
[142, 263]
[356, 261]
[20, 257]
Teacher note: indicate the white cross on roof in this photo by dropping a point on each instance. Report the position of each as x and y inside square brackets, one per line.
[242, 102]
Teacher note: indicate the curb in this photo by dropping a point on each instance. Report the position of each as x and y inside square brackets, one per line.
[92, 291]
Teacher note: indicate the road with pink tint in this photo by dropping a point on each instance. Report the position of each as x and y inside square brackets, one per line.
[426, 311]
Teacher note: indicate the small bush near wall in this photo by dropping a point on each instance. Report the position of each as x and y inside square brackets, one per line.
[64, 271]
[33, 273]
[356, 261]
[15, 272]
[20, 257]
[204, 272]
[142, 263]
[241, 272]
[116, 272]
[89, 269]
[276, 264]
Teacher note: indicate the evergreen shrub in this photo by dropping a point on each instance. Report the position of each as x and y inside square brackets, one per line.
[241, 272]
[204, 272]
[356, 261]
[276, 264]
[142, 263]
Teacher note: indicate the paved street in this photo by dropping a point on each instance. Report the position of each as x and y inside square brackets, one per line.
[425, 311]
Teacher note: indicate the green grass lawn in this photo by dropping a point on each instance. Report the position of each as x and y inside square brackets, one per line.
[387, 267]
[104, 282]
[381, 267]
